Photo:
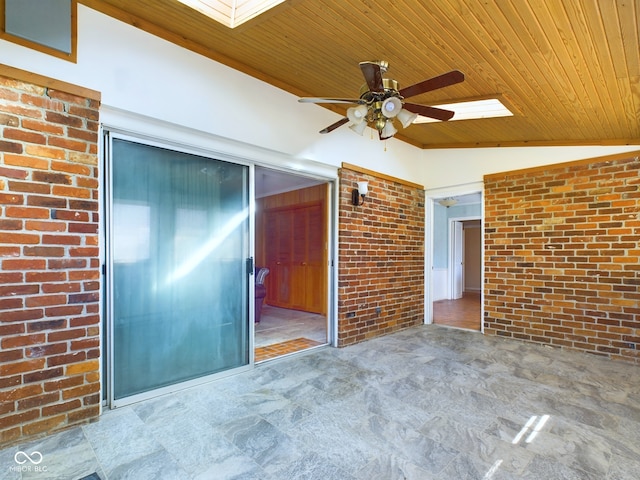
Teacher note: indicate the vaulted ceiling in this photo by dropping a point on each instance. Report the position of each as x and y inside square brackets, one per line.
[569, 70]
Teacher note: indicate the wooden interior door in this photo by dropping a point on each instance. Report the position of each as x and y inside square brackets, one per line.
[299, 259]
[278, 233]
[295, 254]
[315, 281]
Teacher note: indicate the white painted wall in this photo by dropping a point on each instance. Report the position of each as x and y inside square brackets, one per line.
[142, 74]
[440, 282]
[453, 169]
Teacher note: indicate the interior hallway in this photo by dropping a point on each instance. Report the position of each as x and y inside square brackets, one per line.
[424, 403]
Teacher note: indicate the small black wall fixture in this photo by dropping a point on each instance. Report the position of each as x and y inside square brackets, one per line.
[357, 193]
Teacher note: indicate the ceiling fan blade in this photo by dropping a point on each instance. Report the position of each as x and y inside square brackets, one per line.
[333, 126]
[431, 112]
[372, 75]
[329, 100]
[444, 80]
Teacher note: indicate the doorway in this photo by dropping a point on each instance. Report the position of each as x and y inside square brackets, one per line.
[466, 256]
[181, 266]
[292, 244]
[457, 263]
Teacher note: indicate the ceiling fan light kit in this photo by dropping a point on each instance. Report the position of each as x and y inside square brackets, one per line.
[381, 101]
[359, 127]
[391, 107]
[406, 118]
[388, 130]
[357, 114]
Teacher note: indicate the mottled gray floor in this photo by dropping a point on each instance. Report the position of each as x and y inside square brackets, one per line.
[280, 324]
[425, 403]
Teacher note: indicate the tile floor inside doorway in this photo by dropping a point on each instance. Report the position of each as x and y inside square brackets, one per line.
[282, 331]
[425, 403]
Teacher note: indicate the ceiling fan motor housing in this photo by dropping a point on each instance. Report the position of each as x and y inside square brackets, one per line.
[382, 104]
[390, 88]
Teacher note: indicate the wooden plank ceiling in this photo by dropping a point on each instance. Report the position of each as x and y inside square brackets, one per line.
[568, 69]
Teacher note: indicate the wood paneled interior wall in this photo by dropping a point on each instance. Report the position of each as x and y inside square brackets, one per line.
[291, 240]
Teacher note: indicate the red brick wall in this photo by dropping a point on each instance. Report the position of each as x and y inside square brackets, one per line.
[381, 257]
[49, 261]
[562, 258]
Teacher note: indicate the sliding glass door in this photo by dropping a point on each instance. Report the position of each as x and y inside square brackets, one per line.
[178, 251]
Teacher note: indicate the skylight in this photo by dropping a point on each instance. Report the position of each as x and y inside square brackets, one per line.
[231, 12]
[488, 108]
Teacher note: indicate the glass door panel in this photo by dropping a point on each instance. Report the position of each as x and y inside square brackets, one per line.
[179, 282]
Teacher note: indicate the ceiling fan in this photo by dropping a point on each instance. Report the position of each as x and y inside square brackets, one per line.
[381, 100]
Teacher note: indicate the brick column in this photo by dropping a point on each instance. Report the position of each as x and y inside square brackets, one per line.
[562, 256]
[49, 259]
[381, 257]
